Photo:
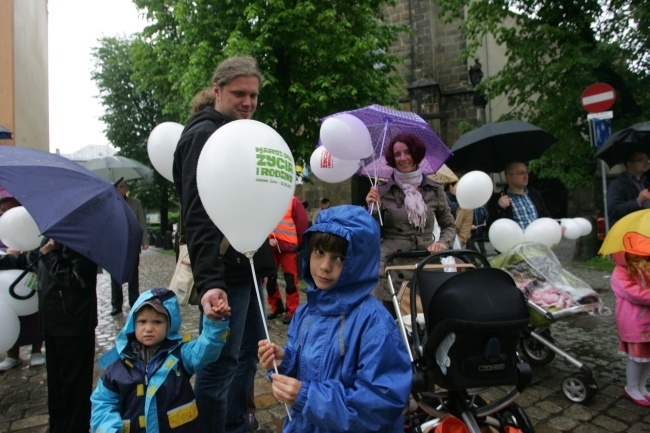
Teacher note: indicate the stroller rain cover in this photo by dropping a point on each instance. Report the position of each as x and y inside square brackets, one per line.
[540, 276]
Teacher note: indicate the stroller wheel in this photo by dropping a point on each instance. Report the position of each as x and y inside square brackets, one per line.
[536, 352]
[513, 415]
[579, 388]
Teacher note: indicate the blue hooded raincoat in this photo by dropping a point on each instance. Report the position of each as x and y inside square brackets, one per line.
[343, 345]
[158, 397]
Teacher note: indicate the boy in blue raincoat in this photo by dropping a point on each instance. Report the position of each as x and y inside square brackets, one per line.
[345, 366]
[146, 384]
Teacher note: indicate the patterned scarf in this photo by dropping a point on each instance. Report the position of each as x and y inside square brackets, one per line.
[415, 207]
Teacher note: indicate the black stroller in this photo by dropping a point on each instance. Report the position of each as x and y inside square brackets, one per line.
[473, 317]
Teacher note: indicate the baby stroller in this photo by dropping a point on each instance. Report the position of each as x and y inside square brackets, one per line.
[553, 294]
[464, 341]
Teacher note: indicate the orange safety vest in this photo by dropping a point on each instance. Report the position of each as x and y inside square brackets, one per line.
[286, 230]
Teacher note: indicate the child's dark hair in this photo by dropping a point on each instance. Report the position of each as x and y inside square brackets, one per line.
[327, 242]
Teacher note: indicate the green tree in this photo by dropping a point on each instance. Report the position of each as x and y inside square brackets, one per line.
[130, 114]
[555, 49]
[318, 57]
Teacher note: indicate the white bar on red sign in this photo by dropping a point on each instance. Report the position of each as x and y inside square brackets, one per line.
[606, 96]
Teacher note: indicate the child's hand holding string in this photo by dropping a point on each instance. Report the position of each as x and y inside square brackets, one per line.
[285, 388]
[268, 352]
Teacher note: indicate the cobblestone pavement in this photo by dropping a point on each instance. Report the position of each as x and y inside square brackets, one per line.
[23, 407]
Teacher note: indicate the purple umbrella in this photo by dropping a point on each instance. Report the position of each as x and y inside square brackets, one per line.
[384, 123]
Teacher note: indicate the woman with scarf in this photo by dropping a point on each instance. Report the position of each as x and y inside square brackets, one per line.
[410, 204]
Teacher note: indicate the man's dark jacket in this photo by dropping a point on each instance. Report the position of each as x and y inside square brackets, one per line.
[67, 290]
[202, 236]
[621, 198]
[496, 212]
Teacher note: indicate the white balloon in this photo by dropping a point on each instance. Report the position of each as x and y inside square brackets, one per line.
[10, 326]
[504, 234]
[161, 146]
[545, 231]
[26, 286]
[585, 225]
[346, 136]
[473, 190]
[329, 168]
[18, 230]
[246, 180]
[570, 228]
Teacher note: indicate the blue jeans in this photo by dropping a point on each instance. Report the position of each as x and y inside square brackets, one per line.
[222, 387]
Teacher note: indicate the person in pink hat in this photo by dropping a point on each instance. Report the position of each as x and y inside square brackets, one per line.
[631, 285]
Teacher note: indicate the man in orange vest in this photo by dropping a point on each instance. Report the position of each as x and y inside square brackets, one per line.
[285, 241]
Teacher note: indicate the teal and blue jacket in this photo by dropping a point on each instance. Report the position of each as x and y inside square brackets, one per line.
[132, 397]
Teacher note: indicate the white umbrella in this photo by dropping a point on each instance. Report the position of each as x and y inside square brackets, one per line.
[113, 168]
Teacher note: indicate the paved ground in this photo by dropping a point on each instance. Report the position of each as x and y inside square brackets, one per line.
[23, 392]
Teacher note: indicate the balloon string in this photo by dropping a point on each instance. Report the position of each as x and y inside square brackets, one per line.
[373, 182]
[266, 327]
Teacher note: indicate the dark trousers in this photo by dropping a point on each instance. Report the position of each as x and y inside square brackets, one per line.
[117, 299]
[69, 363]
[477, 244]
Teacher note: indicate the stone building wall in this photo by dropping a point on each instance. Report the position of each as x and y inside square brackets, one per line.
[430, 51]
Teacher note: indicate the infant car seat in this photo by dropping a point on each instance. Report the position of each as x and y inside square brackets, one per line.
[473, 321]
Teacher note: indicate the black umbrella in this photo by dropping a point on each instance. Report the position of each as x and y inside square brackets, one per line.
[490, 147]
[621, 143]
[5, 134]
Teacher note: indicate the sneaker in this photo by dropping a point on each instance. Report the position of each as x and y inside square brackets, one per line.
[9, 363]
[287, 319]
[253, 424]
[36, 359]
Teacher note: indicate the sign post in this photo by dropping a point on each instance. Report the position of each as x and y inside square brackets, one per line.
[597, 99]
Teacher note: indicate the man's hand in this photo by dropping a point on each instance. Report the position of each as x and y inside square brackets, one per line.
[436, 247]
[145, 247]
[49, 246]
[504, 201]
[644, 196]
[215, 304]
[285, 388]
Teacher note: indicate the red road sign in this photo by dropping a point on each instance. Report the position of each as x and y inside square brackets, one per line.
[598, 97]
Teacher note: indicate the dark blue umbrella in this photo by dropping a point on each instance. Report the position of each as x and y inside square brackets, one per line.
[5, 134]
[73, 206]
